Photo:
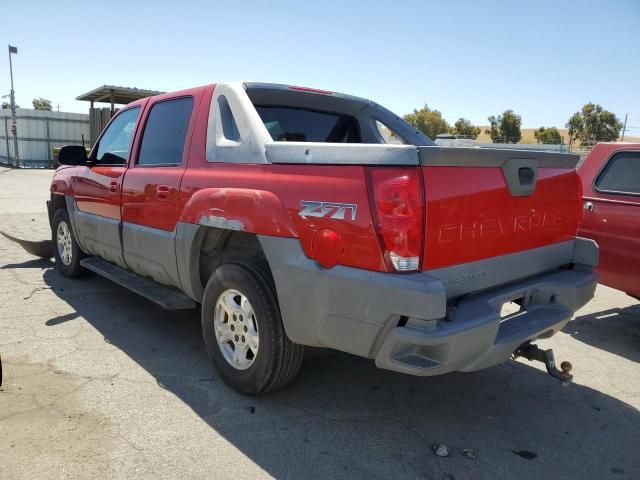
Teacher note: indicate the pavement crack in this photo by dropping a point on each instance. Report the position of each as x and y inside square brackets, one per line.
[35, 290]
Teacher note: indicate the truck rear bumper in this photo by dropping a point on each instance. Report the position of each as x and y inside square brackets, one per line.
[476, 336]
[420, 324]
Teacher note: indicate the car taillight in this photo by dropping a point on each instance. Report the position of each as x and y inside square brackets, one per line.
[398, 206]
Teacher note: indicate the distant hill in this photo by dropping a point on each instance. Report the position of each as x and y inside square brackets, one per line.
[529, 137]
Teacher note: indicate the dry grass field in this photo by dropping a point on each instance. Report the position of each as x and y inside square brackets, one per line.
[529, 137]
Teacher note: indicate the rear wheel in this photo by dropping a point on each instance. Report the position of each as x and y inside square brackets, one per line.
[66, 250]
[243, 331]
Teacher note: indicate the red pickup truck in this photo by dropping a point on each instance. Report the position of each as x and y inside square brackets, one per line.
[297, 216]
[611, 185]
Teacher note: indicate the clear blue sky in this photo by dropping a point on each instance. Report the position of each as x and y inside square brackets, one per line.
[543, 59]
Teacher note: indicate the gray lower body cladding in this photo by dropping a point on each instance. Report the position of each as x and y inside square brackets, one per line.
[150, 252]
[96, 235]
[425, 325]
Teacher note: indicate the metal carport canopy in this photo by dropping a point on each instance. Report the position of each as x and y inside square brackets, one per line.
[116, 95]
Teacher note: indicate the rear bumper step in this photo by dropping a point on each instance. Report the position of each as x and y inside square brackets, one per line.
[167, 297]
[475, 336]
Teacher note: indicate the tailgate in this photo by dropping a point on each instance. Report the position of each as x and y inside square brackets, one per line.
[482, 203]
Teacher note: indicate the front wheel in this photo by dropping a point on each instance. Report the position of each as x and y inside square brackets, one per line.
[243, 331]
[66, 250]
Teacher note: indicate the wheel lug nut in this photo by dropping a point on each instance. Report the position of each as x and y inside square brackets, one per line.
[246, 329]
[232, 328]
[242, 338]
[236, 337]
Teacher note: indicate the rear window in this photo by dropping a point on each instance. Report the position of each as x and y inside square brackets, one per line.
[621, 175]
[287, 124]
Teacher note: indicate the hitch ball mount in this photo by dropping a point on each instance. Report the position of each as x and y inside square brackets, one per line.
[533, 352]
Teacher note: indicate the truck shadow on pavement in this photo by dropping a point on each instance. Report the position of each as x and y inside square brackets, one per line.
[344, 418]
[34, 263]
[616, 330]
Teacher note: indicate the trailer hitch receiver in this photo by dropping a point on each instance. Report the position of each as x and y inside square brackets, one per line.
[533, 352]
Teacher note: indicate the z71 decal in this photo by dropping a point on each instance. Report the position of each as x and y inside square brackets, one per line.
[337, 211]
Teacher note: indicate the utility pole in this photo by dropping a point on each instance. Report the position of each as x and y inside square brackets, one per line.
[624, 129]
[14, 126]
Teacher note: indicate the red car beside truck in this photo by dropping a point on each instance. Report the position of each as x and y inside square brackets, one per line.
[284, 214]
[611, 185]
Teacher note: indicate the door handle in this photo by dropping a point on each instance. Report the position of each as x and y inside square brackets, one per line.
[588, 206]
[114, 187]
[163, 191]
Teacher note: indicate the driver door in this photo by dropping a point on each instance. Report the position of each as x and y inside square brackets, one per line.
[97, 188]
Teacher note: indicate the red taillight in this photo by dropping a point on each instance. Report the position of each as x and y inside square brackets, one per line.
[398, 204]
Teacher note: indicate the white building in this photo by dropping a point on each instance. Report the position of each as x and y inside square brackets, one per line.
[39, 131]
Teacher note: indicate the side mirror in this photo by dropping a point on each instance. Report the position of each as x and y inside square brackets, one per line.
[72, 155]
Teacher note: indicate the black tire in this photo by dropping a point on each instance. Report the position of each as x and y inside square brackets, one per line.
[278, 359]
[69, 266]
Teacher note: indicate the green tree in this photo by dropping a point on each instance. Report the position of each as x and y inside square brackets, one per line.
[7, 105]
[574, 126]
[429, 122]
[593, 124]
[464, 127]
[41, 104]
[549, 135]
[505, 128]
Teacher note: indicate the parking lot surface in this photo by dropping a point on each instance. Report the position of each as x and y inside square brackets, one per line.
[100, 383]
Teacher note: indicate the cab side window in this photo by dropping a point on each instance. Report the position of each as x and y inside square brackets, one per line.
[621, 175]
[113, 147]
[165, 132]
